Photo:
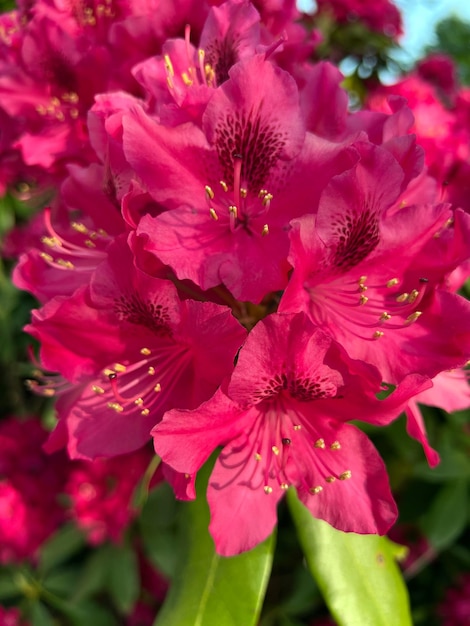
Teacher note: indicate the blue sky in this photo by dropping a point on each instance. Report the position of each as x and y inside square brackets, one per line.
[420, 18]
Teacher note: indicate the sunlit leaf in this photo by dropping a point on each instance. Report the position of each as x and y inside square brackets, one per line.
[357, 574]
[210, 589]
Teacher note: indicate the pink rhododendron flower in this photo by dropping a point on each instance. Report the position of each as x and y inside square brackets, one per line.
[382, 16]
[454, 609]
[101, 494]
[282, 419]
[11, 617]
[373, 279]
[30, 484]
[132, 350]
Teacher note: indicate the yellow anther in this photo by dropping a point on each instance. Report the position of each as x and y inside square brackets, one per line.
[315, 490]
[320, 443]
[335, 445]
[345, 475]
[413, 295]
[385, 317]
[41, 109]
[48, 392]
[119, 367]
[210, 74]
[275, 450]
[50, 242]
[243, 192]
[284, 486]
[47, 257]
[262, 193]
[233, 210]
[213, 214]
[201, 54]
[392, 282]
[79, 227]
[297, 427]
[151, 371]
[68, 265]
[413, 317]
[71, 97]
[223, 184]
[265, 230]
[108, 372]
[97, 389]
[362, 280]
[362, 287]
[115, 406]
[377, 334]
[402, 297]
[102, 233]
[267, 199]
[257, 456]
[209, 192]
[139, 401]
[268, 489]
[100, 8]
[55, 102]
[145, 351]
[186, 80]
[330, 479]
[90, 244]
[168, 65]
[74, 113]
[157, 388]
[145, 412]
[363, 300]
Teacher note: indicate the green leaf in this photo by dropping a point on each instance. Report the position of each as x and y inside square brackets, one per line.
[124, 578]
[447, 516]
[357, 574]
[158, 529]
[93, 574]
[208, 588]
[65, 543]
[39, 615]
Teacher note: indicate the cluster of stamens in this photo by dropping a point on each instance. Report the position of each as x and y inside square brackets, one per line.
[61, 108]
[190, 76]
[85, 256]
[397, 310]
[90, 16]
[140, 372]
[285, 450]
[240, 207]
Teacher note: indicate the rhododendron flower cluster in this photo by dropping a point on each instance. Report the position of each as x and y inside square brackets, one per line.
[232, 259]
[30, 486]
[101, 495]
[454, 609]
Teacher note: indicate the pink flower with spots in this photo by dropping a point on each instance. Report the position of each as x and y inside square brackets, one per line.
[372, 275]
[282, 419]
[130, 349]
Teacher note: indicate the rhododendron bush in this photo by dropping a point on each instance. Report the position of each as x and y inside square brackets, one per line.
[237, 291]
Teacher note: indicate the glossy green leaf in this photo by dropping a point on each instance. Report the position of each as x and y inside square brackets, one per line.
[158, 529]
[447, 516]
[39, 615]
[210, 589]
[357, 574]
[66, 542]
[124, 578]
